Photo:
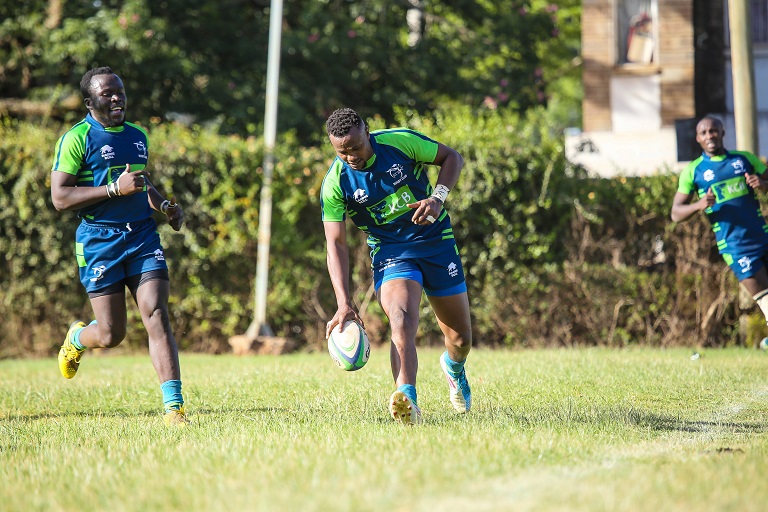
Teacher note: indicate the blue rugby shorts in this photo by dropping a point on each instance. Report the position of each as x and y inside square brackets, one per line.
[109, 253]
[440, 275]
[745, 265]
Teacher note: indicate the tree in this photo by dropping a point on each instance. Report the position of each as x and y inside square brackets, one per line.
[205, 60]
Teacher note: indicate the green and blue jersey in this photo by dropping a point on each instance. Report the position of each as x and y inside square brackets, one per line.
[97, 156]
[376, 198]
[736, 219]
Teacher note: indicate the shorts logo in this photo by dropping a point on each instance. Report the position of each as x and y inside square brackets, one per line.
[738, 166]
[453, 270]
[360, 195]
[107, 152]
[709, 175]
[397, 171]
[99, 271]
[159, 256]
[746, 264]
[387, 263]
[142, 149]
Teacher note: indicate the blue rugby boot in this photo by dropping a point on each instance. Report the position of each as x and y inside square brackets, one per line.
[460, 394]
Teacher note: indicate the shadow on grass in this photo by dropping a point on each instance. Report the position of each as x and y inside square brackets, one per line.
[11, 416]
[564, 414]
[666, 423]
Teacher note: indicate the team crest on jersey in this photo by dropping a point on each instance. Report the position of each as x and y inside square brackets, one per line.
[746, 264]
[709, 175]
[397, 171]
[142, 149]
[107, 152]
[738, 166]
[360, 195]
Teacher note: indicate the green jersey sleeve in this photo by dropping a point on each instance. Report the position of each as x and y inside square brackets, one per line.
[685, 182]
[757, 164]
[70, 150]
[331, 196]
[415, 145]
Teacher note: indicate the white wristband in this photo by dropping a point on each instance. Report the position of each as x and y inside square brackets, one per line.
[164, 206]
[440, 193]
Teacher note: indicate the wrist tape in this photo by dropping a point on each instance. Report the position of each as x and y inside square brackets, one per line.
[440, 193]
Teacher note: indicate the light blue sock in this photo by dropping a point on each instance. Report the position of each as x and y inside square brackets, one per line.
[76, 338]
[172, 398]
[454, 367]
[408, 390]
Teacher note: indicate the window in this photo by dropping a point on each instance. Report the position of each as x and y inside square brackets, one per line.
[758, 13]
[636, 31]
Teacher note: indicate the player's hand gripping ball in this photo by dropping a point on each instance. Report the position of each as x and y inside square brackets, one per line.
[349, 348]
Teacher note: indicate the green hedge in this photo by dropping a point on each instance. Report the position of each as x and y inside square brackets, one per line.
[552, 256]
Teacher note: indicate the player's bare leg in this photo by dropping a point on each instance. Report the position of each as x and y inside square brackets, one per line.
[453, 317]
[152, 299]
[400, 298]
[107, 331]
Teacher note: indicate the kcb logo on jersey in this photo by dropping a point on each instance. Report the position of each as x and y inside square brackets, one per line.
[392, 206]
[730, 189]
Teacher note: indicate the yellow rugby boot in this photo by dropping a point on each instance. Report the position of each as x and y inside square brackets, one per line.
[176, 418]
[403, 410]
[69, 356]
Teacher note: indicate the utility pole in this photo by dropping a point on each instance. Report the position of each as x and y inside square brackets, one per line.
[744, 111]
[259, 325]
[743, 75]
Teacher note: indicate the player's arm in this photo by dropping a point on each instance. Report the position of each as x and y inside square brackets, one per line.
[169, 207]
[756, 181]
[337, 259]
[450, 162]
[66, 195]
[683, 208]
[756, 178]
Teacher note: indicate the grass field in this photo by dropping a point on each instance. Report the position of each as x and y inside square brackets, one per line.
[571, 430]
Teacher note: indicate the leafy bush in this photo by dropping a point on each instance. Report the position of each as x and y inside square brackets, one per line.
[552, 256]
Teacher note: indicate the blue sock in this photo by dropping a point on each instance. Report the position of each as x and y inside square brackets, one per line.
[75, 339]
[172, 398]
[453, 366]
[408, 390]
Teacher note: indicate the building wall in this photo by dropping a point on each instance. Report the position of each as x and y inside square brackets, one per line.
[598, 54]
[676, 53]
[673, 61]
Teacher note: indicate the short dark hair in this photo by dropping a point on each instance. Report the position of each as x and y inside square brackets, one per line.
[342, 121]
[85, 82]
[714, 119]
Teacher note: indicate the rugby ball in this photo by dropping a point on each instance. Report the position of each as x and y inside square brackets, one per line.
[349, 348]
